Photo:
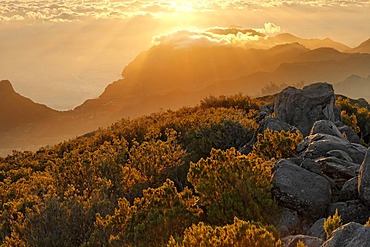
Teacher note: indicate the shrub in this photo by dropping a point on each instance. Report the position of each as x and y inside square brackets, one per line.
[332, 223]
[368, 222]
[231, 184]
[276, 144]
[241, 233]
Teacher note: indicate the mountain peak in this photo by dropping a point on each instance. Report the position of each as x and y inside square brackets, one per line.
[6, 87]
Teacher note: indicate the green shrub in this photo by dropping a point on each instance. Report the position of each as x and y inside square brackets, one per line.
[231, 184]
[276, 144]
[241, 233]
[332, 223]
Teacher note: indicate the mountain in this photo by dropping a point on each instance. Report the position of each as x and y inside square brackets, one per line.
[355, 87]
[168, 77]
[18, 110]
[309, 43]
[364, 47]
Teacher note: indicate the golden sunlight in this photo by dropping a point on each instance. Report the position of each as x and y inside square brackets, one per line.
[183, 6]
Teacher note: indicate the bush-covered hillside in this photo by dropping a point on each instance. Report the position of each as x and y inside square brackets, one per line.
[172, 178]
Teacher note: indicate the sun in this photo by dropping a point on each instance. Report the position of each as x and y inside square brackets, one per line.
[183, 6]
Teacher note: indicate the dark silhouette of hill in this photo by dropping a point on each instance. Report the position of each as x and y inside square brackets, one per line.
[364, 47]
[16, 110]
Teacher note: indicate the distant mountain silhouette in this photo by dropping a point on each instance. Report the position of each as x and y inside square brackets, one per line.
[166, 77]
[16, 110]
[354, 87]
[308, 43]
[364, 47]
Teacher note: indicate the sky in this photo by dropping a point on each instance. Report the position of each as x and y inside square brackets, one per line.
[62, 52]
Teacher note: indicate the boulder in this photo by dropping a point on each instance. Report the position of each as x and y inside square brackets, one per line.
[311, 165]
[350, 211]
[349, 235]
[289, 222]
[318, 145]
[317, 229]
[300, 190]
[364, 180]
[325, 127]
[337, 168]
[349, 133]
[349, 190]
[309, 241]
[340, 155]
[302, 108]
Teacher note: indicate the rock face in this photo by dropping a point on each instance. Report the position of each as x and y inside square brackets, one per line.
[302, 108]
[364, 180]
[301, 190]
[349, 235]
[325, 127]
[317, 229]
[289, 222]
[318, 145]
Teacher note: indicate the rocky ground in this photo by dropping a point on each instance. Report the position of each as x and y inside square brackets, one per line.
[330, 171]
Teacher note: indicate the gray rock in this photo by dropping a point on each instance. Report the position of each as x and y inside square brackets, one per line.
[289, 222]
[349, 211]
[318, 145]
[340, 155]
[300, 190]
[310, 241]
[337, 168]
[349, 235]
[364, 180]
[311, 165]
[325, 127]
[317, 229]
[301, 108]
[349, 190]
[350, 134]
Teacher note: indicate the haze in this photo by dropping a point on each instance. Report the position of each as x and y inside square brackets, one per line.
[61, 53]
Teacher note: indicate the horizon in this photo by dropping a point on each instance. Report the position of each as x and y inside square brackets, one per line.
[61, 53]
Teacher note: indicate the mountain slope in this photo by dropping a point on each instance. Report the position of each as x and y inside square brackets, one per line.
[16, 109]
[309, 43]
[364, 47]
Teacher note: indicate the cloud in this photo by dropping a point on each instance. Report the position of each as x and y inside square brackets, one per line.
[216, 36]
[112, 9]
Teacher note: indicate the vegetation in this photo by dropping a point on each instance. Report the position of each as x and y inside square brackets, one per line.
[332, 223]
[171, 175]
[240, 233]
[356, 114]
[368, 223]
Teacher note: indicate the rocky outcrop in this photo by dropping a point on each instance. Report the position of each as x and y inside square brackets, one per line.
[349, 235]
[364, 180]
[330, 172]
[302, 108]
[300, 190]
[318, 145]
